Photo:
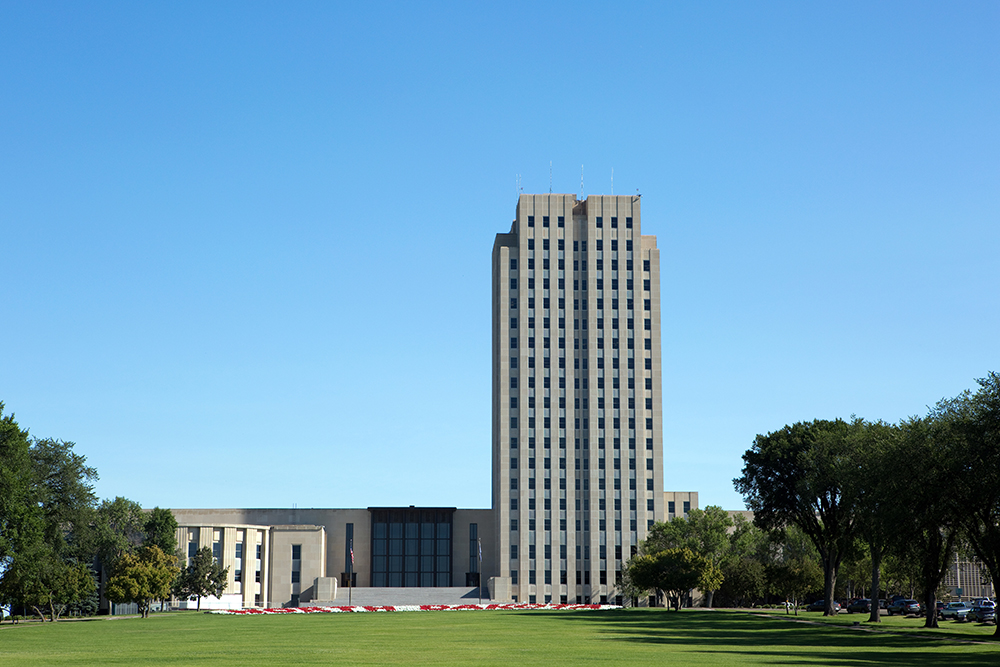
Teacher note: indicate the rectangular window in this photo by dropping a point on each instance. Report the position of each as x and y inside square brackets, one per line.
[296, 552]
[545, 221]
[561, 220]
[531, 221]
[296, 576]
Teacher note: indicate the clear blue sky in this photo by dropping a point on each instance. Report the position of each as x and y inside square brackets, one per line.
[245, 247]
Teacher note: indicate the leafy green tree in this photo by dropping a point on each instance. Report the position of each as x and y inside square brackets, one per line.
[930, 525]
[795, 577]
[967, 430]
[118, 530]
[161, 530]
[45, 538]
[744, 581]
[202, 577]
[705, 532]
[141, 577]
[63, 491]
[673, 571]
[882, 497]
[798, 476]
[17, 520]
[744, 566]
[38, 578]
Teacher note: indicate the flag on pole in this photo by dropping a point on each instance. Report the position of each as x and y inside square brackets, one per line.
[480, 541]
[352, 554]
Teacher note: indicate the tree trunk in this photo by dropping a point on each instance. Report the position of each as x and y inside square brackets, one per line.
[829, 584]
[709, 595]
[874, 616]
[199, 603]
[930, 614]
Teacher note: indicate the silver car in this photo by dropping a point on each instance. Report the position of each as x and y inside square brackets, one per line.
[955, 610]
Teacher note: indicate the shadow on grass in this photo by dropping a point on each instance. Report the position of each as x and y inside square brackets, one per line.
[777, 641]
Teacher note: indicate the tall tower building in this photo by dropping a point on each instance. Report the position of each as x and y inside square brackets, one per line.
[577, 418]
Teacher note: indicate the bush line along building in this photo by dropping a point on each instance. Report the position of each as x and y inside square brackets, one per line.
[577, 443]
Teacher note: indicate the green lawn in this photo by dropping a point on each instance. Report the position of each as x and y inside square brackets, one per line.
[645, 637]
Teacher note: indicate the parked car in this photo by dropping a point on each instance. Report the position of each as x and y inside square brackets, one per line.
[904, 607]
[955, 610]
[860, 605]
[983, 611]
[820, 605]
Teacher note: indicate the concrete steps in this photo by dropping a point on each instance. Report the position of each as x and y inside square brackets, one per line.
[379, 597]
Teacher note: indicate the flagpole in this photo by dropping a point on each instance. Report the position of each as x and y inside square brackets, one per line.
[479, 540]
[350, 575]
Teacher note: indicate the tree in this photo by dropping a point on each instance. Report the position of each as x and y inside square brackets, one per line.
[705, 532]
[797, 476]
[202, 577]
[882, 495]
[161, 530]
[968, 434]
[63, 491]
[118, 530]
[930, 523]
[142, 577]
[45, 538]
[15, 482]
[794, 571]
[38, 578]
[673, 571]
[744, 566]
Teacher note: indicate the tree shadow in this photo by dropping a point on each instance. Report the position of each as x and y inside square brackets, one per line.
[781, 643]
